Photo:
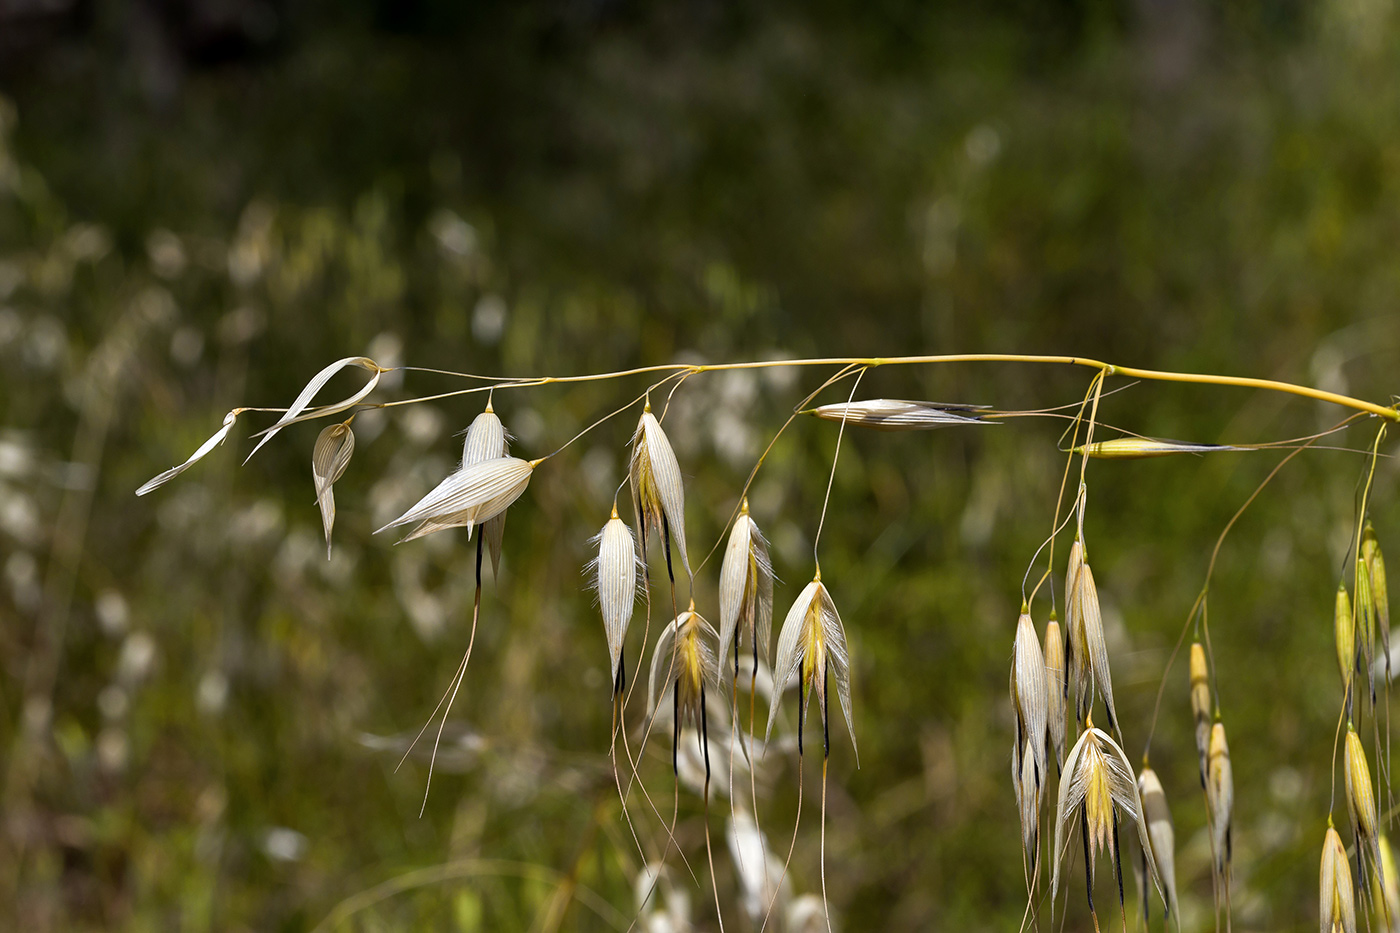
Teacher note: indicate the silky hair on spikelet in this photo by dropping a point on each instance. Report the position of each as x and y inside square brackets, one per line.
[683, 661]
[657, 492]
[613, 574]
[811, 646]
[745, 590]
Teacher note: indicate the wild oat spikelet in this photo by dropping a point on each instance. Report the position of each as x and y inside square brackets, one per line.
[1344, 626]
[329, 458]
[890, 414]
[298, 411]
[1056, 687]
[655, 477]
[1366, 624]
[1380, 589]
[1361, 802]
[1028, 797]
[1088, 648]
[218, 438]
[1385, 889]
[1030, 694]
[1200, 704]
[1162, 836]
[1138, 448]
[1337, 900]
[745, 590]
[486, 440]
[616, 570]
[811, 646]
[683, 662]
[1220, 800]
[1097, 786]
[473, 494]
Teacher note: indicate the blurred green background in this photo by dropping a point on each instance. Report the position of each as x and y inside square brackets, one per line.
[203, 203]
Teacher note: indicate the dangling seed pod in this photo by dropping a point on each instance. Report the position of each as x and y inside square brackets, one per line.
[1162, 837]
[811, 646]
[1366, 625]
[683, 661]
[1345, 628]
[1029, 704]
[1380, 589]
[1200, 704]
[616, 567]
[486, 440]
[1361, 802]
[1088, 648]
[470, 496]
[1337, 900]
[1056, 687]
[329, 458]
[655, 477]
[745, 591]
[1220, 799]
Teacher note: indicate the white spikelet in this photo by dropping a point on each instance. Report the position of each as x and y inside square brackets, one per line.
[299, 408]
[329, 458]
[1056, 687]
[1161, 834]
[1220, 800]
[1029, 694]
[745, 590]
[655, 477]
[811, 646]
[616, 581]
[892, 414]
[218, 438]
[473, 494]
[1088, 645]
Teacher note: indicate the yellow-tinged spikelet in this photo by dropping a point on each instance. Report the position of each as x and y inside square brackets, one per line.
[329, 458]
[683, 662]
[1161, 834]
[1137, 448]
[1344, 626]
[745, 590]
[1200, 703]
[1056, 687]
[1385, 889]
[1088, 648]
[1361, 801]
[1380, 589]
[1337, 899]
[1220, 799]
[811, 646]
[1097, 787]
[1366, 624]
[655, 477]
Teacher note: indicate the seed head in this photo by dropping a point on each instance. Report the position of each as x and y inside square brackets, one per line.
[1056, 686]
[1088, 648]
[811, 646]
[1160, 834]
[470, 496]
[1361, 800]
[1220, 799]
[683, 662]
[745, 590]
[1137, 448]
[1345, 627]
[1029, 696]
[1098, 786]
[655, 477]
[329, 458]
[889, 414]
[616, 579]
[1337, 901]
[1200, 704]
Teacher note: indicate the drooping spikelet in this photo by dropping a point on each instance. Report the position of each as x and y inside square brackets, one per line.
[1097, 787]
[1366, 625]
[1028, 797]
[745, 590]
[1385, 889]
[1029, 695]
[812, 648]
[1161, 835]
[616, 579]
[1137, 448]
[1088, 648]
[486, 440]
[683, 662]
[329, 458]
[218, 438]
[655, 477]
[1200, 704]
[1337, 899]
[473, 494]
[300, 409]
[1056, 687]
[1344, 627]
[1220, 801]
[1380, 589]
[1361, 802]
